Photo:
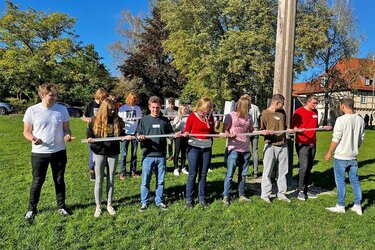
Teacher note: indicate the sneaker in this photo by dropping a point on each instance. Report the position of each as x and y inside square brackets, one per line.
[98, 212]
[143, 208]
[184, 171]
[204, 204]
[336, 209]
[189, 205]
[176, 172]
[30, 215]
[301, 196]
[226, 200]
[162, 206]
[282, 197]
[357, 208]
[135, 175]
[311, 195]
[266, 199]
[111, 210]
[92, 175]
[122, 176]
[63, 212]
[243, 198]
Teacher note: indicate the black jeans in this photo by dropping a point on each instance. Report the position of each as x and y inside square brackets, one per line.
[306, 155]
[180, 145]
[40, 164]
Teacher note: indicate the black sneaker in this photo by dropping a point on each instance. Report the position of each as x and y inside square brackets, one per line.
[301, 196]
[189, 205]
[162, 206]
[30, 215]
[311, 195]
[204, 204]
[64, 212]
[143, 208]
[92, 175]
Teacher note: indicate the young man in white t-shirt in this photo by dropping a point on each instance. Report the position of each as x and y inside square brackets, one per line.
[46, 125]
[348, 134]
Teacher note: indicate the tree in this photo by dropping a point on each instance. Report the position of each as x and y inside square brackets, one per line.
[341, 42]
[36, 47]
[227, 47]
[150, 66]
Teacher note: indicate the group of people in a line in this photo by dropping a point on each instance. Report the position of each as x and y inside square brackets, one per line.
[46, 125]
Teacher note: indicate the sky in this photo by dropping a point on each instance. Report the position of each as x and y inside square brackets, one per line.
[97, 19]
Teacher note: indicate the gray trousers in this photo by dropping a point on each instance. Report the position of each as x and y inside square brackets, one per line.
[254, 148]
[100, 162]
[274, 155]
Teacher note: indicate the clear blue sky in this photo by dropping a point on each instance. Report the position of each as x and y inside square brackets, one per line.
[96, 20]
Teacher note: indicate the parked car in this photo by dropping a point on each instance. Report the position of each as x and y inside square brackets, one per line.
[73, 112]
[6, 108]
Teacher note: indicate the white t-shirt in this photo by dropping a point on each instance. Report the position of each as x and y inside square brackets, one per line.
[128, 113]
[47, 125]
[349, 132]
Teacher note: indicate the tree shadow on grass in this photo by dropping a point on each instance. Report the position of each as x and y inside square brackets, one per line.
[368, 198]
[365, 162]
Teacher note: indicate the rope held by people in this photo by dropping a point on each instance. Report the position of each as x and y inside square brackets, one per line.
[259, 132]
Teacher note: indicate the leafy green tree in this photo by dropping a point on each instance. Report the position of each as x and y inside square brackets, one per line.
[227, 47]
[150, 66]
[341, 41]
[36, 47]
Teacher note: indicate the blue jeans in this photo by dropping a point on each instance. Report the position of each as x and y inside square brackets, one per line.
[199, 161]
[243, 161]
[340, 167]
[148, 164]
[124, 153]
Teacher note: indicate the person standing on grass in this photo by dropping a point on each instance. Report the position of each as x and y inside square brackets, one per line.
[306, 117]
[275, 149]
[254, 140]
[237, 122]
[130, 113]
[170, 112]
[199, 150]
[104, 125]
[89, 113]
[46, 125]
[348, 134]
[178, 124]
[153, 152]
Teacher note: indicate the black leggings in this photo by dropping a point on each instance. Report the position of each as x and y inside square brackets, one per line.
[180, 145]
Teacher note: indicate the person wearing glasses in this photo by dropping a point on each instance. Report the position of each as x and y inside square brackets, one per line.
[105, 124]
[275, 149]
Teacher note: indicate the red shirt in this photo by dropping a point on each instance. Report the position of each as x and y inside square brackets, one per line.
[303, 118]
[195, 126]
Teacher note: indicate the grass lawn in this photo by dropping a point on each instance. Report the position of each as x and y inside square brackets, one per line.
[297, 225]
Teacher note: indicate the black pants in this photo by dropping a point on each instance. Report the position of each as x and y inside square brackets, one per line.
[180, 145]
[40, 164]
[306, 155]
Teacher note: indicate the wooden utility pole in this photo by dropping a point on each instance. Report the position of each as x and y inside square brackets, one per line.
[283, 78]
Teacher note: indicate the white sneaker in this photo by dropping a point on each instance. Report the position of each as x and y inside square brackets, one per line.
[184, 171]
[98, 212]
[176, 172]
[266, 199]
[282, 197]
[357, 208]
[63, 212]
[336, 209]
[111, 210]
[30, 215]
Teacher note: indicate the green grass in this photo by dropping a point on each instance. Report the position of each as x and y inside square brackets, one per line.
[297, 225]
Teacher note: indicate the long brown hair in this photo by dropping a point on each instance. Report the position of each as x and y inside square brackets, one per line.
[243, 105]
[101, 120]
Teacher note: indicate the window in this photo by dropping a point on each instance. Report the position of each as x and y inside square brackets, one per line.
[367, 82]
[363, 99]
